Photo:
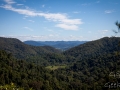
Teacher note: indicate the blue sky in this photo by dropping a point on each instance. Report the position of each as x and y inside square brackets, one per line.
[56, 20]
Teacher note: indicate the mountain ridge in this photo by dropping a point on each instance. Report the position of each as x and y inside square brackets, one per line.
[28, 52]
[91, 48]
[103, 45]
[62, 45]
[86, 67]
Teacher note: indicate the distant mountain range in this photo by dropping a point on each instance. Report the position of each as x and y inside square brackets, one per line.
[62, 45]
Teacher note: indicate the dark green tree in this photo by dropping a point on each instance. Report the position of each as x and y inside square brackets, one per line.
[118, 25]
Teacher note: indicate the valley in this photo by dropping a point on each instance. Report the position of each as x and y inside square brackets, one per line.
[61, 45]
[84, 67]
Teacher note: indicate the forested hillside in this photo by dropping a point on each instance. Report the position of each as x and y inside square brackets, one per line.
[21, 50]
[95, 48]
[44, 55]
[25, 75]
[94, 65]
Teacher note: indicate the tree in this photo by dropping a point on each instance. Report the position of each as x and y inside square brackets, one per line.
[118, 25]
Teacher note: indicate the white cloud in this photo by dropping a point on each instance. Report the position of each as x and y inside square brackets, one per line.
[20, 11]
[28, 28]
[31, 21]
[109, 11]
[62, 19]
[76, 12]
[103, 31]
[67, 26]
[9, 1]
[20, 4]
[50, 37]
[71, 21]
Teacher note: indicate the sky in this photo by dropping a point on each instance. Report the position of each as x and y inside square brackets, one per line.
[59, 20]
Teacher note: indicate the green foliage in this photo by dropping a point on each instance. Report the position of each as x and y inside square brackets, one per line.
[11, 87]
[94, 49]
[85, 67]
[55, 67]
[21, 50]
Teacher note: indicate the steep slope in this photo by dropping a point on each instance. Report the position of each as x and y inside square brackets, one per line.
[22, 50]
[94, 48]
[96, 64]
[96, 70]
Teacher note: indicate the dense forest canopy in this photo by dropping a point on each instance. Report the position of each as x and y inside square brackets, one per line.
[93, 65]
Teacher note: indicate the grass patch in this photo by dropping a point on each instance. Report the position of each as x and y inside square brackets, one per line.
[55, 67]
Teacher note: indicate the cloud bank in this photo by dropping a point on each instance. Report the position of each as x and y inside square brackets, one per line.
[50, 37]
[62, 20]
